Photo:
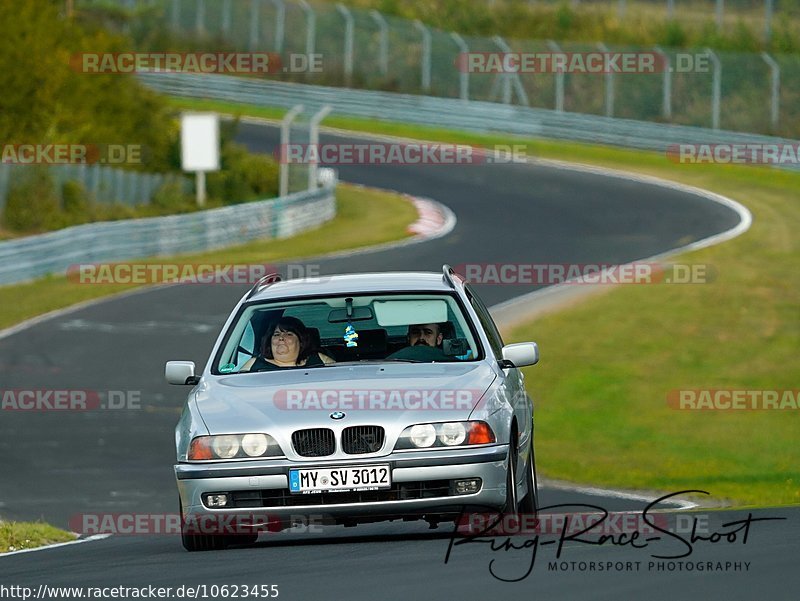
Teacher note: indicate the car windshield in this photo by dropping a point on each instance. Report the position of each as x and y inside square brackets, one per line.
[325, 331]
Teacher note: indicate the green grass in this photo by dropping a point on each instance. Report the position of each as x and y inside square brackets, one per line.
[608, 364]
[15, 536]
[364, 217]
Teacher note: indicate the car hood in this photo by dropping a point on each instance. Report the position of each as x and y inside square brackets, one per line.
[381, 394]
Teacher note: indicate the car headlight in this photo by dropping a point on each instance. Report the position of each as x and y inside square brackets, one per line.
[255, 445]
[233, 446]
[452, 434]
[446, 434]
[423, 435]
[225, 447]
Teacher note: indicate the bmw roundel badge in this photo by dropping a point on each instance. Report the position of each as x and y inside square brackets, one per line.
[337, 415]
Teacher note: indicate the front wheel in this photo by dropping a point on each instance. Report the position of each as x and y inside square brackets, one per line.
[199, 542]
[530, 502]
[512, 502]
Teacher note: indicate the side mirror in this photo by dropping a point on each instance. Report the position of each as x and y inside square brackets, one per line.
[181, 373]
[521, 354]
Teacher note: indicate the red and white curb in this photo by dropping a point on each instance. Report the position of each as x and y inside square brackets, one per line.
[433, 220]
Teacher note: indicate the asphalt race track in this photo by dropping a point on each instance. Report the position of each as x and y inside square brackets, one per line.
[59, 465]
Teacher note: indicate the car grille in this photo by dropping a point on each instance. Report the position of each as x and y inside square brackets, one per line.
[316, 442]
[400, 491]
[358, 440]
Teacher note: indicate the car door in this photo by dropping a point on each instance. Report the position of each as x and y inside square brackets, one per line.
[514, 380]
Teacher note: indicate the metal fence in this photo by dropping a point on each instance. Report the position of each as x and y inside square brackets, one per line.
[365, 49]
[102, 184]
[477, 116]
[54, 252]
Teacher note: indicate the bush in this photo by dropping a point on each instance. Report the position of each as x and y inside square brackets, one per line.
[673, 35]
[32, 203]
[170, 197]
[565, 20]
[113, 212]
[46, 97]
[243, 176]
[259, 174]
[75, 200]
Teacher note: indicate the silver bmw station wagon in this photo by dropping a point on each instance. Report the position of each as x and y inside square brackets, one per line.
[352, 399]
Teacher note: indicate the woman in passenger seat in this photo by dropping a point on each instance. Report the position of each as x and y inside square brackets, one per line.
[286, 344]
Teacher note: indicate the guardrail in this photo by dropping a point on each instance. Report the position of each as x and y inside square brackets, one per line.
[476, 116]
[54, 252]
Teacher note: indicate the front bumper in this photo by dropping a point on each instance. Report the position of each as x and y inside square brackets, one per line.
[270, 477]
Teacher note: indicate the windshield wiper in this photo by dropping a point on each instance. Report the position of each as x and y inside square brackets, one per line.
[405, 360]
[263, 369]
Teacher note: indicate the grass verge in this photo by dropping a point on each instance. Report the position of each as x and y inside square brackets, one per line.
[608, 365]
[15, 536]
[376, 215]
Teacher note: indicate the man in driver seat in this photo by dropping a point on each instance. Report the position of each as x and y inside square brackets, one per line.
[424, 343]
[425, 334]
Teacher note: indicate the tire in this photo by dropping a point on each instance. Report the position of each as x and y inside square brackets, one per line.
[199, 542]
[203, 542]
[530, 502]
[241, 539]
[511, 506]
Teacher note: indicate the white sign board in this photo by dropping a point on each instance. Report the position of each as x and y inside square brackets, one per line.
[200, 141]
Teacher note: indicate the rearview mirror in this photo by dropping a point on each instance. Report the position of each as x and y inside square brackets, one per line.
[521, 354]
[356, 314]
[181, 373]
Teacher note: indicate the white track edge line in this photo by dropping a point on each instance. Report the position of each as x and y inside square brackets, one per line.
[54, 545]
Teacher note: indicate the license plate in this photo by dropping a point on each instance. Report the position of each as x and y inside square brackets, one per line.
[339, 479]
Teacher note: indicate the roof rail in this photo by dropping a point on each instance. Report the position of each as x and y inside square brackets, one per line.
[449, 273]
[262, 283]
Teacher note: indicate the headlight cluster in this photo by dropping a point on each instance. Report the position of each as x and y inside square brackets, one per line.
[233, 446]
[447, 434]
